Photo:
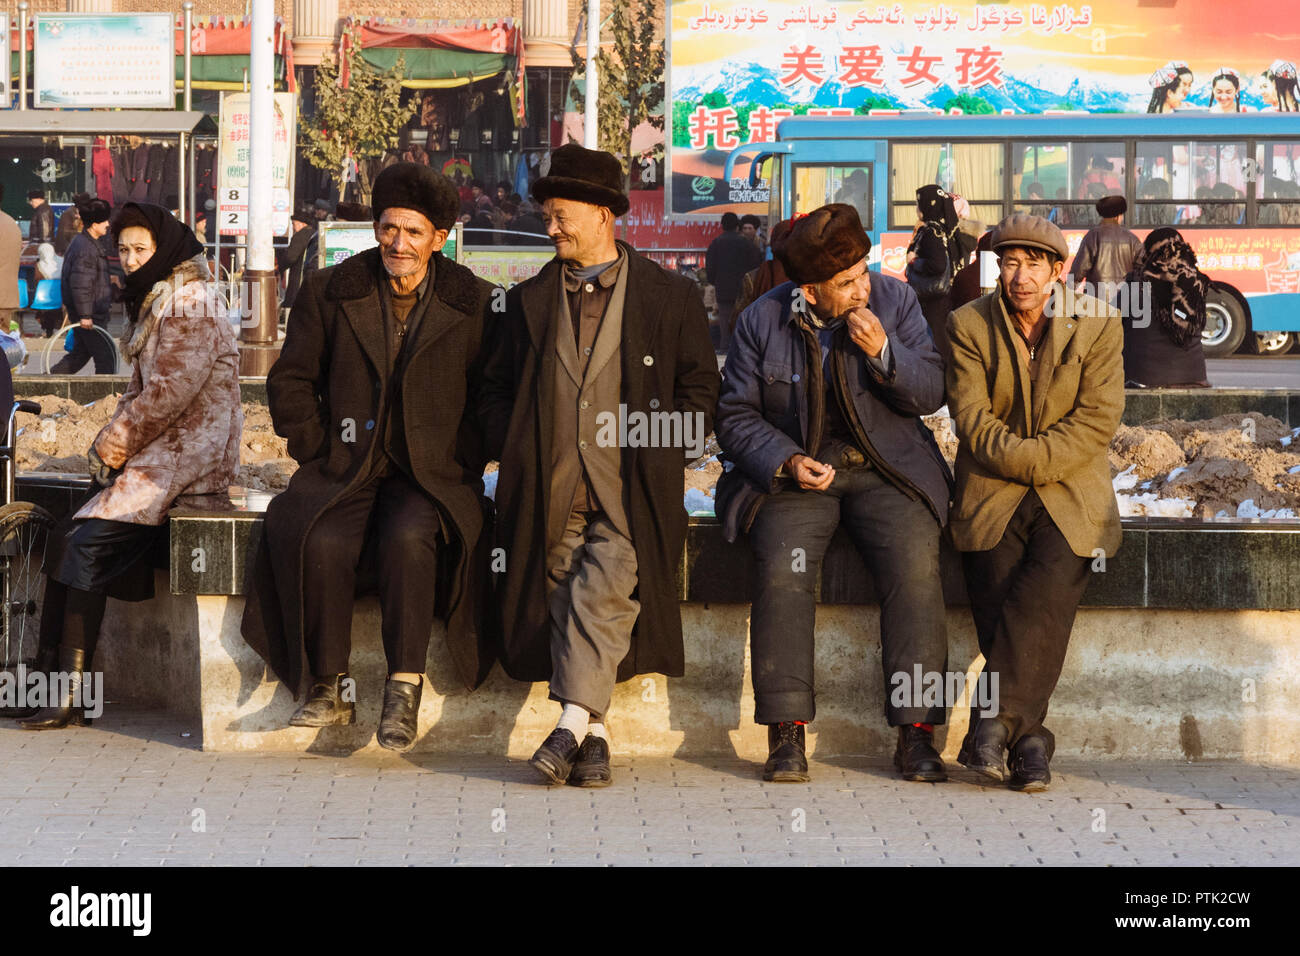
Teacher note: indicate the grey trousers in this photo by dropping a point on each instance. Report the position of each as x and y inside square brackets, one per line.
[591, 574]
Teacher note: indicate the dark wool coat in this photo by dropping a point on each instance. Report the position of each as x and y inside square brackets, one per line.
[334, 367]
[667, 359]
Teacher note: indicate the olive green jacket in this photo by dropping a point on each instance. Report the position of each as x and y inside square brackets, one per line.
[1053, 437]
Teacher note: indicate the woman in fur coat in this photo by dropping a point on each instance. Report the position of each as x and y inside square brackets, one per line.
[175, 433]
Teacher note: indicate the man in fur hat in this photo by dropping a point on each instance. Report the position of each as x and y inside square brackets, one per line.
[818, 422]
[598, 345]
[375, 391]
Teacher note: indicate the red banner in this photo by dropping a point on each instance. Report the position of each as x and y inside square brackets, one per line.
[648, 229]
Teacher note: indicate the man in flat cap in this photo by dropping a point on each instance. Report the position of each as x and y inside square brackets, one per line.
[818, 422]
[600, 388]
[1106, 253]
[375, 390]
[1036, 389]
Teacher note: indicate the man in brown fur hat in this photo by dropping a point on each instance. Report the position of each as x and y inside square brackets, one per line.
[818, 421]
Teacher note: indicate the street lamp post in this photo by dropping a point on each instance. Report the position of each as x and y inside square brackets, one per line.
[260, 329]
[589, 132]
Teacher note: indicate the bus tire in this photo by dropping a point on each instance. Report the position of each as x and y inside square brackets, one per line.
[1273, 343]
[1225, 324]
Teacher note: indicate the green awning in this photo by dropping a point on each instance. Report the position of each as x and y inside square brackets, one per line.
[428, 69]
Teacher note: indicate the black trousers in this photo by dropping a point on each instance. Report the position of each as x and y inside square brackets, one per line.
[401, 523]
[1023, 596]
[898, 538]
[88, 344]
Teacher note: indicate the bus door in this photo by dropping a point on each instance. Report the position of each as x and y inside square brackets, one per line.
[839, 170]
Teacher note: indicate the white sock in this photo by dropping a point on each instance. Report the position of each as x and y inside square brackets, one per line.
[574, 719]
[598, 730]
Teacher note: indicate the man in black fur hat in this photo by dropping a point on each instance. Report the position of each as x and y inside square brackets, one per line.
[600, 388]
[375, 390]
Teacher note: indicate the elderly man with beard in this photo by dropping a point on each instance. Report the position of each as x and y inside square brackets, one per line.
[375, 390]
[593, 523]
[818, 422]
[1036, 391]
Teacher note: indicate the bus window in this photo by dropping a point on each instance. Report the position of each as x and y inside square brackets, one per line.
[1206, 182]
[1063, 181]
[815, 186]
[1277, 183]
[970, 170]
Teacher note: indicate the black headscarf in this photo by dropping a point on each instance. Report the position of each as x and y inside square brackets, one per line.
[1169, 264]
[936, 206]
[175, 243]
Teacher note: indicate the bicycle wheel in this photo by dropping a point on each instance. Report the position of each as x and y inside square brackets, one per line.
[24, 528]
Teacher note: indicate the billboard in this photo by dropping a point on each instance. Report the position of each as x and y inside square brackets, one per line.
[95, 59]
[340, 240]
[737, 69]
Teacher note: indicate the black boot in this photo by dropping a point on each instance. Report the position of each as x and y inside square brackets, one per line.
[1029, 764]
[70, 709]
[915, 756]
[786, 762]
[400, 719]
[325, 705]
[985, 749]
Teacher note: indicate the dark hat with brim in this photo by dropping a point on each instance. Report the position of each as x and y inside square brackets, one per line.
[1111, 206]
[584, 175]
[418, 187]
[823, 243]
[1030, 232]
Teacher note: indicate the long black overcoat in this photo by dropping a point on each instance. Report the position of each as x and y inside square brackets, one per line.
[668, 363]
[327, 393]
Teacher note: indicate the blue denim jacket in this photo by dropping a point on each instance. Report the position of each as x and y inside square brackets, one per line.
[762, 414]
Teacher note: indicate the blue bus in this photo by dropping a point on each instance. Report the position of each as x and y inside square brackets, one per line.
[1229, 182]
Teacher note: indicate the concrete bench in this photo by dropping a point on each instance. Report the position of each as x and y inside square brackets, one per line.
[1187, 645]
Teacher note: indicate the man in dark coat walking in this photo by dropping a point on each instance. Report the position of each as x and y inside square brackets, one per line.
[818, 421]
[88, 294]
[601, 386]
[375, 391]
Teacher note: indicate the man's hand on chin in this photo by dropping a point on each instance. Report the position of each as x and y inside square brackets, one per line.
[866, 331]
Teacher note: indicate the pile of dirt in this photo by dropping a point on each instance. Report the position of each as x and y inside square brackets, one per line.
[58, 442]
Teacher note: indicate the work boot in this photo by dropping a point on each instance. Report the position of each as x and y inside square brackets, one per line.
[325, 705]
[915, 756]
[786, 761]
[70, 709]
[401, 715]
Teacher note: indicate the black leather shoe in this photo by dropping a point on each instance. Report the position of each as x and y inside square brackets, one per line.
[69, 711]
[786, 761]
[554, 758]
[401, 715]
[325, 705]
[985, 751]
[592, 767]
[916, 758]
[1029, 759]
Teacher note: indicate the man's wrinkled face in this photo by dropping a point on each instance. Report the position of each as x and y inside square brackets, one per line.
[576, 228]
[1027, 277]
[407, 240]
[843, 292]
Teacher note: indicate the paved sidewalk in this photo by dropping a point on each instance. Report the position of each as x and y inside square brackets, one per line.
[134, 790]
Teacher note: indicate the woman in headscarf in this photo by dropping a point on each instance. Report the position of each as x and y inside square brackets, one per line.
[769, 274]
[1162, 337]
[175, 433]
[1225, 91]
[1277, 87]
[931, 260]
[1169, 87]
